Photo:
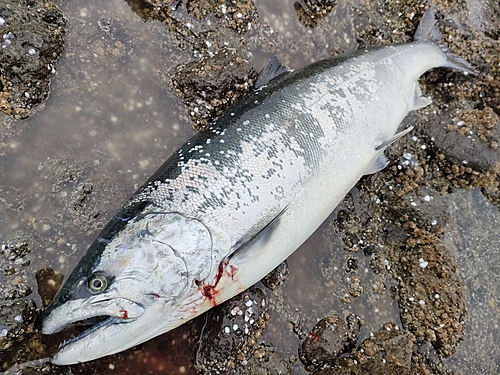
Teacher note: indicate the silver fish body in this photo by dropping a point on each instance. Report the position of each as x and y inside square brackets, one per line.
[238, 198]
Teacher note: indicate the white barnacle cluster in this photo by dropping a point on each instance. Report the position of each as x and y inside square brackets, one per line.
[408, 160]
[249, 314]
[4, 332]
[7, 39]
[423, 264]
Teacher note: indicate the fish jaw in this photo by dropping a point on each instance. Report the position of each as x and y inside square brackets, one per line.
[119, 333]
[89, 344]
[79, 310]
[128, 323]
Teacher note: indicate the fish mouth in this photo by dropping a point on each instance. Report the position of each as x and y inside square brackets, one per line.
[95, 324]
[103, 338]
[96, 313]
[116, 325]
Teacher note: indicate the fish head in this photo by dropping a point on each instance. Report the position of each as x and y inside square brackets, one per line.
[135, 285]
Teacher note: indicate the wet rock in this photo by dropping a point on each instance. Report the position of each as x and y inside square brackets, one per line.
[386, 352]
[231, 330]
[38, 366]
[351, 265]
[32, 41]
[329, 338]
[49, 283]
[493, 195]
[74, 193]
[209, 86]
[220, 75]
[355, 287]
[239, 15]
[430, 293]
[14, 282]
[388, 345]
[466, 150]
[201, 25]
[17, 314]
[431, 308]
[17, 319]
[264, 360]
[310, 12]
[276, 277]
[344, 223]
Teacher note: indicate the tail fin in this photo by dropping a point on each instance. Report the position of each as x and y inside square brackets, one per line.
[428, 31]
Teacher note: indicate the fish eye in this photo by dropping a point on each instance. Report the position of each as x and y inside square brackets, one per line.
[97, 283]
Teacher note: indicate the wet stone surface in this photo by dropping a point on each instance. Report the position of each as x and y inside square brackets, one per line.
[264, 360]
[32, 33]
[276, 277]
[210, 85]
[17, 314]
[231, 331]
[329, 338]
[72, 188]
[219, 75]
[388, 351]
[238, 15]
[310, 12]
[431, 295]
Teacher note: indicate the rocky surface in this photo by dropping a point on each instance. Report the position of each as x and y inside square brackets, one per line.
[276, 277]
[32, 41]
[265, 360]
[17, 312]
[388, 351]
[310, 12]
[330, 337]
[211, 84]
[411, 245]
[230, 333]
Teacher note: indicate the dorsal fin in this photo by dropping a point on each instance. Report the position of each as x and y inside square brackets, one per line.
[271, 70]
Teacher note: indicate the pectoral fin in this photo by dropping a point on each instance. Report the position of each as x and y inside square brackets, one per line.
[258, 241]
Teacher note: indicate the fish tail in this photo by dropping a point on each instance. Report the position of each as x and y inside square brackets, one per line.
[428, 31]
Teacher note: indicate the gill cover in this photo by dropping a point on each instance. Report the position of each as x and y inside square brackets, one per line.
[135, 284]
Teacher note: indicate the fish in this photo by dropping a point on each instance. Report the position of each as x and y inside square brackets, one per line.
[242, 195]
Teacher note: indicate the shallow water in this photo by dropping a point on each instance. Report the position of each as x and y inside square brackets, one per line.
[112, 114]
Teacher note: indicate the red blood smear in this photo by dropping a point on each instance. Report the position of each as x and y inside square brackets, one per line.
[209, 291]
